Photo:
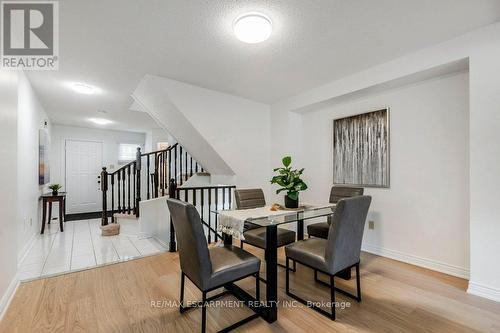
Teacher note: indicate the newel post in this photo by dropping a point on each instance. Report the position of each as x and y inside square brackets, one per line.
[104, 189]
[138, 180]
[172, 193]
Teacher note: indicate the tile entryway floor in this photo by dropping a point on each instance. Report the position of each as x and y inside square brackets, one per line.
[81, 246]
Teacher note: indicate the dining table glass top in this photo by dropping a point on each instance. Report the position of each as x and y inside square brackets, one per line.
[287, 216]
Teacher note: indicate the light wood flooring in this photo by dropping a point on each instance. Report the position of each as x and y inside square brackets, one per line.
[397, 297]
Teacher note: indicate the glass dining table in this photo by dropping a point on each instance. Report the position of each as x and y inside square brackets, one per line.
[268, 308]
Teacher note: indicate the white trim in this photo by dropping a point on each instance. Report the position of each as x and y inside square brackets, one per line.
[162, 243]
[434, 265]
[484, 291]
[63, 169]
[26, 249]
[63, 155]
[8, 296]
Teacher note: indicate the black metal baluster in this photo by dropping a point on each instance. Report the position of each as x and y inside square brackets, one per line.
[160, 174]
[175, 165]
[112, 197]
[186, 164]
[104, 189]
[156, 179]
[191, 166]
[148, 194]
[165, 176]
[124, 206]
[216, 215]
[173, 193]
[118, 191]
[230, 197]
[138, 164]
[202, 199]
[209, 213]
[128, 189]
[180, 166]
[196, 167]
[223, 198]
[170, 168]
[134, 175]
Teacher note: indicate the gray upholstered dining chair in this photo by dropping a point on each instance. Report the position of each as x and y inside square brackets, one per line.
[255, 235]
[212, 268]
[336, 193]
[340, 251]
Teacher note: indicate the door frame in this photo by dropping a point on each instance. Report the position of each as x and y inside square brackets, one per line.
[63, 154]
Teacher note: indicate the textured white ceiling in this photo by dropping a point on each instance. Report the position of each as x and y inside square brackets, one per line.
[113, 43]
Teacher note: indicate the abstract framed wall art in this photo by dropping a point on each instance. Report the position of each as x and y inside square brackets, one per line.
[361, 149]
[43, 157]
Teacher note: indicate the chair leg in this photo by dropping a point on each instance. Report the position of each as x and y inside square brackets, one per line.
[332, 294]
[204, 313]
[182, 293]
[358, 282]
[241, 244]
[257, 286]
[330, 315]
[287, 276]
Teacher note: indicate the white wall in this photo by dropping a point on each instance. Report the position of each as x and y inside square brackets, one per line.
[221, 131]
[481, 48]
[21, 117]
[485, 170]
[159, 97]
[154, 136]
[31, 118]
[109, 138]
[424, 213]
[238, 129]
[8, 181]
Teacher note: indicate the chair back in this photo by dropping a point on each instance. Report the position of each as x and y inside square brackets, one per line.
[193, 248]
[346, 232]
[341, 192]
[249, 198]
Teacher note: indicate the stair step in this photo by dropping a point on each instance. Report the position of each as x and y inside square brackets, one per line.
[125, 216]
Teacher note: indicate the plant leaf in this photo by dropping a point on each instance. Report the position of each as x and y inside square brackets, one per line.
[287, 160]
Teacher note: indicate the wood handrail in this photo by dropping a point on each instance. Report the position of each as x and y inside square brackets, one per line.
[160, 151]
[142, 155]
[204, 187]
[125, 182]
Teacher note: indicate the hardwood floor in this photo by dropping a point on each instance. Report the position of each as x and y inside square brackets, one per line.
[397, 297]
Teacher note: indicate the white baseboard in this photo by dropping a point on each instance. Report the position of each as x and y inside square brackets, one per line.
[484, 291]
[162, 243]
[26, 249]
[8, 296]
[418, 261]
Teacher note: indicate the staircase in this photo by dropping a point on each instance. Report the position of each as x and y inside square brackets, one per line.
[150, 175]
[163, 173]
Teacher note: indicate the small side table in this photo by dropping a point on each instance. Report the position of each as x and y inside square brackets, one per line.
[48, 199]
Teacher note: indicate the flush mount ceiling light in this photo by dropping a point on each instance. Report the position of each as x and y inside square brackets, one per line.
[83, 88]
[100, 121]
[253, 27]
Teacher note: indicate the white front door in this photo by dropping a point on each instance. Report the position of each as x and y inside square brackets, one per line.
[83, 169]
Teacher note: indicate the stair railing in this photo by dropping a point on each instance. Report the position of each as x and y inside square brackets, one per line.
[206, 199]
[158, 166]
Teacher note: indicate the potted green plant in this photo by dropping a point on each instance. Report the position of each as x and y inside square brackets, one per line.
[55, 188]
[290, 181]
